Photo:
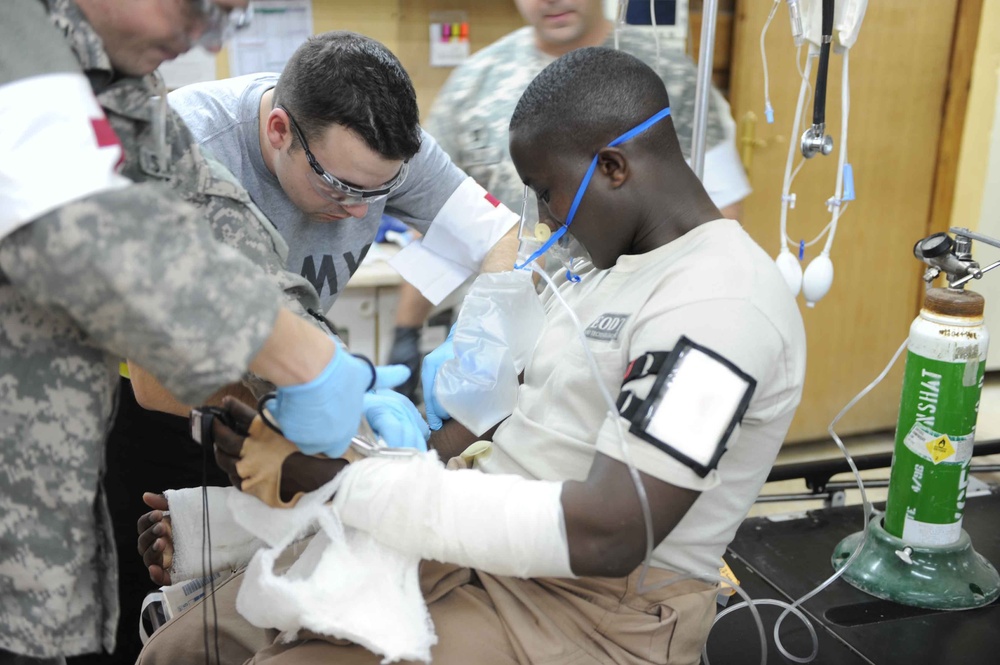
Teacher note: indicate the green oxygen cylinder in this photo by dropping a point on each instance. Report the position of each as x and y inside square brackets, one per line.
[942, 384]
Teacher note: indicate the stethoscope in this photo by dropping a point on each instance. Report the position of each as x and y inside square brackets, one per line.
[815, 282]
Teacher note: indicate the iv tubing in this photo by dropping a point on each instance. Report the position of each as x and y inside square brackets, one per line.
[845, 108]
[768, 109]
[792, 148]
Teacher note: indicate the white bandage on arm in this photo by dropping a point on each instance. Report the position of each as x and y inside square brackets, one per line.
[232, 545]
[500, 524]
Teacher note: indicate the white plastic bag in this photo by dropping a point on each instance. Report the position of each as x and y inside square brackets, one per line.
[495, 335]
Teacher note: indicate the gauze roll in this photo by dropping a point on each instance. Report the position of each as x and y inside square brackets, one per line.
[500, 524]
[232, 545]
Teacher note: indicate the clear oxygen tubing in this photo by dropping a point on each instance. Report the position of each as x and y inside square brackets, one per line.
[637, 480]
[768, 601]
[793, 147]
[868, 510]
[845, 108]
[768, 109]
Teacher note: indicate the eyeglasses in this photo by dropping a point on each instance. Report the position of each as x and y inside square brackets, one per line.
[219, 24]
[335, 189]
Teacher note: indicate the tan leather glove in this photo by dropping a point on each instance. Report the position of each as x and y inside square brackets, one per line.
[263, 463]
[261, 458]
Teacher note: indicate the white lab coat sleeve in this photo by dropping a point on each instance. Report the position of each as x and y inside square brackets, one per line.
[465, 228]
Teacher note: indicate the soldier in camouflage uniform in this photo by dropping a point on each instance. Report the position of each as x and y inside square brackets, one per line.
[146, 451]
[471, 112]
[159, 147]
[94, 268]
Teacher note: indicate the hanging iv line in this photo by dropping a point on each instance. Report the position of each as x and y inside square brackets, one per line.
[816, 280]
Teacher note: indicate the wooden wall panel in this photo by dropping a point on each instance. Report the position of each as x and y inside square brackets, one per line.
[489, 20]
[899, 80]
[959, 79]
[378, 19]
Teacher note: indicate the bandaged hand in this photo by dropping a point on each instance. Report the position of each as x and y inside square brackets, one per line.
[156, 542]
[322, 415]
[436, 413]
[264, 463]
[396, 420]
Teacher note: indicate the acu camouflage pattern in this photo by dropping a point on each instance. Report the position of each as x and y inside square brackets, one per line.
[82, 287]
[471, 114]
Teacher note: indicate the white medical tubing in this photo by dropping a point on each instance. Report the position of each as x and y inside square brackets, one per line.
[766, 601]
[793, 149]
[845, 109]
[612, 409]
[768, 109]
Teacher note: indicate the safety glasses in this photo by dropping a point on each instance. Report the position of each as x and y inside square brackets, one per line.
[219, 24]
[335, 189]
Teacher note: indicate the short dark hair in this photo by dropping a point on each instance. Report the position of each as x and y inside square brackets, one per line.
[351, 80]
[588, 97]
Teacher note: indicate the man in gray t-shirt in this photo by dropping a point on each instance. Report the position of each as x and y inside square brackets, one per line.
[347, 100]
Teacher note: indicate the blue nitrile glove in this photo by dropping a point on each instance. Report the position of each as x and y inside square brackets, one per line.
[322, 416]
[389, 224]
[436, 413]
[396, 420]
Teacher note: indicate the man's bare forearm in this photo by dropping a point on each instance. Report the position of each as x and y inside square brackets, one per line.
[151, 395]
[453, 438]
[502, 256]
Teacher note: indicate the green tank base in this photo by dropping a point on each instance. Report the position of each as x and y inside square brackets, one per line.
[949, 577]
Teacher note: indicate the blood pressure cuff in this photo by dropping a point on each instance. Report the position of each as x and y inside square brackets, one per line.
[695, 402]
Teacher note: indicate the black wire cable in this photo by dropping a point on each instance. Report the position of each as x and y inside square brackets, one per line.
[819, 100]
[204, 530]
[206, 547]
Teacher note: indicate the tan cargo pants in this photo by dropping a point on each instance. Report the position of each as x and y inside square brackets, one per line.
[481, 619]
